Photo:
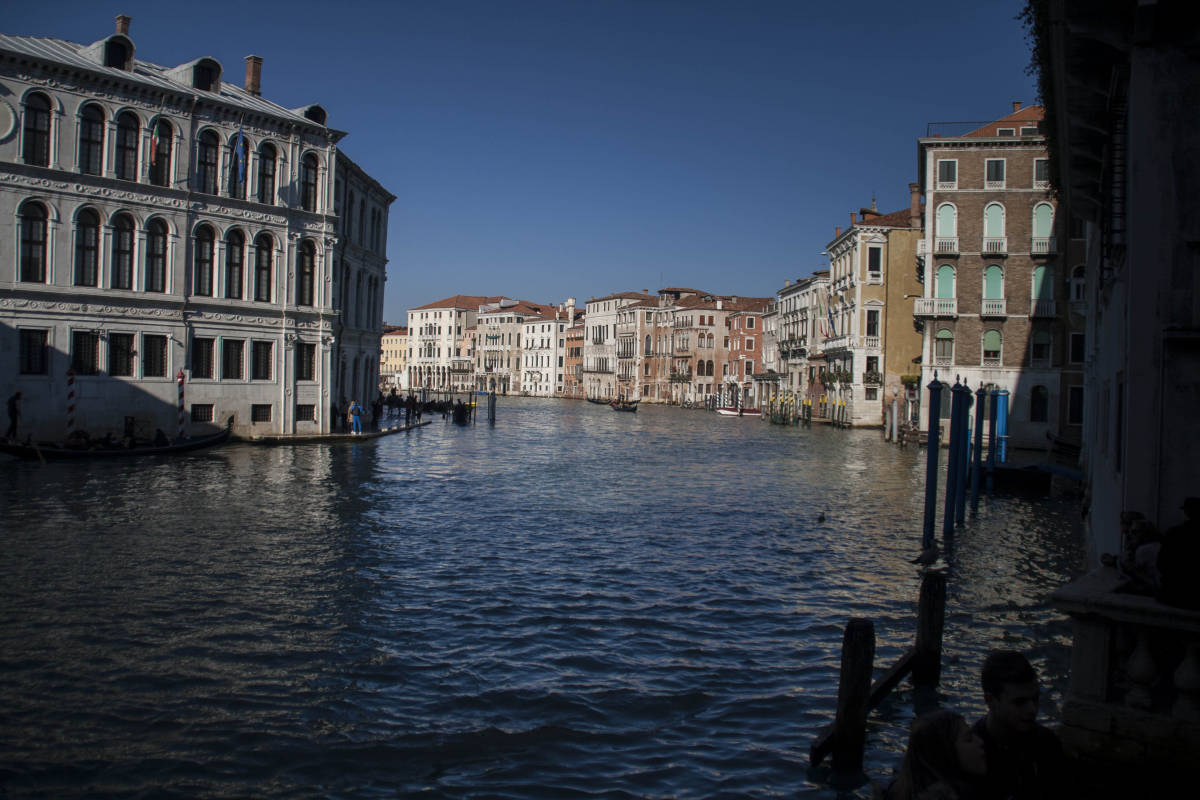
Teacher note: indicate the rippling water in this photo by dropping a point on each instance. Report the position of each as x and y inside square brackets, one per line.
[574, 603]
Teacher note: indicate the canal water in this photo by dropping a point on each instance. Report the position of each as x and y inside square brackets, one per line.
[573, 603]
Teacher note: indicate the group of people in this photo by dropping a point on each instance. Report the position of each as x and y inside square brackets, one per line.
[1006, 755]
[352, 420]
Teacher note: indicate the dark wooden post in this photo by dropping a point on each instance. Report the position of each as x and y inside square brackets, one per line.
[931, 461]
[854, 687]
[931, 619]
[977, 461]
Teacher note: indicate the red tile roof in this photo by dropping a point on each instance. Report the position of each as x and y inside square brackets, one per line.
[1029, 115]
[466, 301]
[896, 219]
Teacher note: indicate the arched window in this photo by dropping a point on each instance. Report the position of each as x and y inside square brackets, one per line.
[207, 148]
[266, 173]
[947, 220]
[161, 137]
[121, 271]
[1039, 353]
[993, 220]
[991, 348]
[993, 282]
[87, 248]
[647, 347]
[945, 282]
[1043, 220]
[235, 260]
[128, 131]
[156, 256]
[202, 278]
[307, 271]
[710, 367]
[1078, 283]
[943, 347]
[36, 133]
[308, 183]
[262, 268]
[238, 156]
[91, 140]
[33, 242]
[1042, 288]
[1039, 404]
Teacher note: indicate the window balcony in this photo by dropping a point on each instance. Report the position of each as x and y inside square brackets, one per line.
[875, 277]
[1043, 245]
[943, 361]
[993, 184]
[995, 245]
[871, 342]
[872, 378]
[991, 361]
[936, 307]
[945, 245]
[839, 342]
[1041, 308]
[992, 308]
[947, 186]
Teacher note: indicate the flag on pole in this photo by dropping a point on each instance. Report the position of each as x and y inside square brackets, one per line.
[239, 155]
[829, 312]
[154, 142]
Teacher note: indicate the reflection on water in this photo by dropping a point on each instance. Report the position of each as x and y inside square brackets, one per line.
[574, 602]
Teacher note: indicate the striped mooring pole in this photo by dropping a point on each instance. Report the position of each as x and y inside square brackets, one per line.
[70, 401]
[182, 422]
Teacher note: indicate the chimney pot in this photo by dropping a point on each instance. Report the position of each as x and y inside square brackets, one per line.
[1016, 106]
[123, 21]
[254, 74]
[837, 231]
[851, 219]
[914, 205]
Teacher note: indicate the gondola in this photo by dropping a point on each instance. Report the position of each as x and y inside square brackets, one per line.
[624, 405]
[46, 451]
[600, 401]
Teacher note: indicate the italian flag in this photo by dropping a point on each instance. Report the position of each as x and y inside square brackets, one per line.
[154, 143]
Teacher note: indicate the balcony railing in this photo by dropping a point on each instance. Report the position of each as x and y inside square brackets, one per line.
[993, 184]
[838, 342]
[871, 342]
[936, 307]
[872, 378]
[1043, 245]
[945, 245]
[943, 361]
[991, 361]
[992, 308]
[599, 368]
[947, 186]
[1041, 308]
[995, 245]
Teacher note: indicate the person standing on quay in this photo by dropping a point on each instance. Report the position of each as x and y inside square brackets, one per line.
[1024, 759]
[14, 413]
[356, 417]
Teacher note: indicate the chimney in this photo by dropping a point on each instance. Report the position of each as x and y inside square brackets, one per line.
[837, 231]
[254, 75]
[123, 21]
[914, 205]
[851, 219]
[873, 206]
[1016, 106]
[787, 282]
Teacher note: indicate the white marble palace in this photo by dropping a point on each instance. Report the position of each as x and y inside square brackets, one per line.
[160, 224]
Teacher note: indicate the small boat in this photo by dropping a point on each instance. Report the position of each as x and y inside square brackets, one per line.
[730, 411]
[46, 451]
[624, 405]
[599, 401]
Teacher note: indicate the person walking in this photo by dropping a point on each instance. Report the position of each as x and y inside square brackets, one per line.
[14, 413]
[356, 417]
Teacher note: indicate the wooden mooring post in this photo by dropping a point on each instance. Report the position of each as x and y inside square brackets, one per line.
[846, 736]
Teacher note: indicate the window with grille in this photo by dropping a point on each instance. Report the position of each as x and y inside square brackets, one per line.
[306, 413]
[202, 358]
[128, 131]
[262, 269]
[122, 252]
[33, 242]
[91, 140]
[235, 245]
[36, 140]
[947, 174]
[260, 413]
[304, 282]
[156, 256]
[995, 173]
[202, 412]
[154, 356]
[306, 356]
[33, 352]
[87, 248]
[260, 361]
[231, 359]
[120, 354]
[203, 269]
[85, 352]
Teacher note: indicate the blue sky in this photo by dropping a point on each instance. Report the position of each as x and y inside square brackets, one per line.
[551, 148]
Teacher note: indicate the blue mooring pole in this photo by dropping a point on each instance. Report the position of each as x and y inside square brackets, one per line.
[933, 445]
[977, 462]
[964, 457]
[1002, 401]
[952, 461]
[991, 465]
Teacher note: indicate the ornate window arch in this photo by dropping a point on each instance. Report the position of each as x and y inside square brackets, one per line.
[1043, 220]
[156, 256]
[235, 264]
[120, 271]
[268, 163]
[129, 130]
[91, 139]
[202, 270]
[306, 273]
[992, 345]
[87, 247]
[162, 136]
[239, 162]
[993, 220]
[308, 182]
[35, 130]
[208, 149]
[947, 220]
[945, 287]
[993, 282]
[263, 254]
[34, 223]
